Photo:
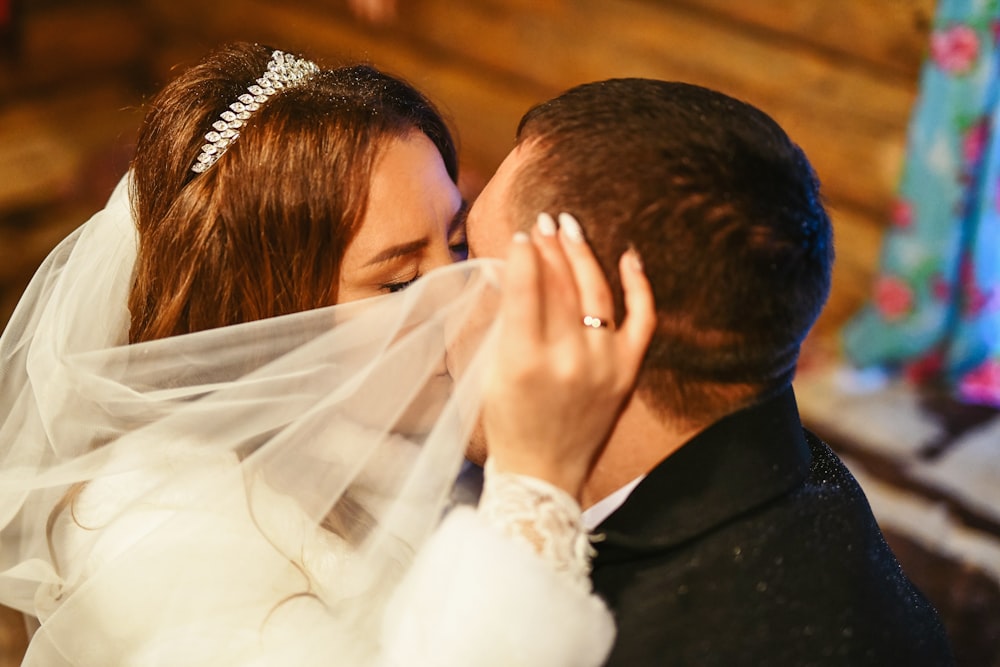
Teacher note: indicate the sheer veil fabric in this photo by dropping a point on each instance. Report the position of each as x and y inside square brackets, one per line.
[255, 490]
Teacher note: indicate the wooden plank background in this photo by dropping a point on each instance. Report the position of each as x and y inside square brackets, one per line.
[840, 75]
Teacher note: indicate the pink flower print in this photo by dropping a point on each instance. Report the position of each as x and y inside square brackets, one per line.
[902, 214]
[982, 384]
[940, 287]
[955, 49]
[971, 298]
[976, 300]
[966, 271]
[925, 368]
[974, 141]
[893, 298]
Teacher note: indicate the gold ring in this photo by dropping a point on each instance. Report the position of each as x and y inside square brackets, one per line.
[594, 322]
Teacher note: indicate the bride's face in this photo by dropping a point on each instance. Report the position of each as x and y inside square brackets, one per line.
[415, 222]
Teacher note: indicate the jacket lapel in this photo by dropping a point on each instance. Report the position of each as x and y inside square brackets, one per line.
[738, 463]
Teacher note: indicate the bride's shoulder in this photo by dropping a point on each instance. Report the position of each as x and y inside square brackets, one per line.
[163, 475]
[129, 496]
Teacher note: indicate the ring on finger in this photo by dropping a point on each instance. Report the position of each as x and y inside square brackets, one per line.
[594, 322]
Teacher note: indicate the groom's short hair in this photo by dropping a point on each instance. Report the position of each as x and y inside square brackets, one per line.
[725, 211]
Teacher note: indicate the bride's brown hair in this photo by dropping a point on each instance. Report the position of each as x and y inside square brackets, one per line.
[262, 232]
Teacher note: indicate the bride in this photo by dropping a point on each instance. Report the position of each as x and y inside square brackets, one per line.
[232, 417]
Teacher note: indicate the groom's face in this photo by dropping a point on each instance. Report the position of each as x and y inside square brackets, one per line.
[489, 228]
[491, 222]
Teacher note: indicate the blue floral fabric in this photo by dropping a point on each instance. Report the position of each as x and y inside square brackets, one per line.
[935, 311]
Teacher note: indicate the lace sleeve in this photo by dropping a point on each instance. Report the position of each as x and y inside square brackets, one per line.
[548, 519]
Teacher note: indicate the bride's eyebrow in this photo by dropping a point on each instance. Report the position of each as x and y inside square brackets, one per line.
[401, 250]
[413, 247]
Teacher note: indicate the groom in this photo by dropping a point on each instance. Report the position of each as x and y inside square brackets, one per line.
[729, 534]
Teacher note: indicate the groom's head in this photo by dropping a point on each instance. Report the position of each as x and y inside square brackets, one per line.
[724, 209]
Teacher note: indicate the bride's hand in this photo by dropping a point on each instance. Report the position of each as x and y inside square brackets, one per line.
[561, 378]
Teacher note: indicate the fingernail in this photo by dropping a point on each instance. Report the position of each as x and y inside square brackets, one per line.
[546, 225]
[633, 259]
[521, 237]
[570, 227]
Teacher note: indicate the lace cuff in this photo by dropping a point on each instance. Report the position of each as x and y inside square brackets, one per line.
[541, 515]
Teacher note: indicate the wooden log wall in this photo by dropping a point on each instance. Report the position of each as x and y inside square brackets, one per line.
[840, 75]
[68, 114]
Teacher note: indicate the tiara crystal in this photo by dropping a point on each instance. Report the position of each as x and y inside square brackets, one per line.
[283, 71]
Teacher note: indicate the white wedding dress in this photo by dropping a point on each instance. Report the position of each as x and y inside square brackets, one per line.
[270, 493]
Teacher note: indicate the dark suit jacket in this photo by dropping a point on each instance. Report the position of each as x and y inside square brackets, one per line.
[753, 545]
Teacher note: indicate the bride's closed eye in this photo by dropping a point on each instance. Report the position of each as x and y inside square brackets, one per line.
[458, 248]
[399, 286]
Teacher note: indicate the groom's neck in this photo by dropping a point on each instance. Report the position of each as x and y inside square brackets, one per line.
[641, 440]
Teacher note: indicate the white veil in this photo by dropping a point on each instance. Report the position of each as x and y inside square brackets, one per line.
[255, 488]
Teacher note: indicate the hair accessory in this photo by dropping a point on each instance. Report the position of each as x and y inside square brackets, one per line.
[284, 70]
[594, 322]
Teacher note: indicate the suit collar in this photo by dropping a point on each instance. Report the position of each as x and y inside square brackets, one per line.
[737, 463]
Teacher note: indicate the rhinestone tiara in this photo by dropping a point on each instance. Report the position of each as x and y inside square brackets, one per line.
[283, 71]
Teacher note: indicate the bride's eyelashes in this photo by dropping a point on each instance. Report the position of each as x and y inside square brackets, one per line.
[399, 286]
